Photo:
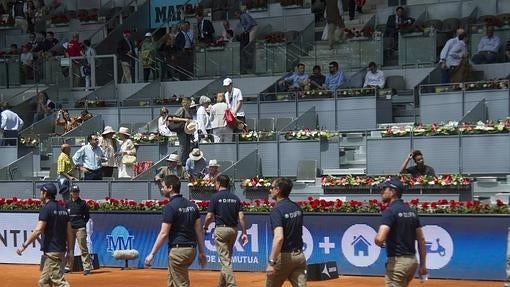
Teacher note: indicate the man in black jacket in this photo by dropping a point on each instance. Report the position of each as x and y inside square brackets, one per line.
[126, 52]
[78, 216]
[205, 30]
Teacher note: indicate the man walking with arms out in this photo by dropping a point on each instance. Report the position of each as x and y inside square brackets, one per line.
[400, 229]
[286, 260]
[178, 216]
[55, 228]
[225, 209]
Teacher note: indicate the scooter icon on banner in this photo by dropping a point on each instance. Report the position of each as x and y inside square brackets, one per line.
[439, 249]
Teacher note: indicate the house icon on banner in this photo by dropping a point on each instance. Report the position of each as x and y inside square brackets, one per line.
[360, 246]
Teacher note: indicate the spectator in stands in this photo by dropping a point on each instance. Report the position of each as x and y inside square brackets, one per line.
[203, 119]
[248, 24]
[111, 148]
[213, 170]
[163, 123]
[334, 20]
[183, 114]
[27, 60]
[11, 124]
[228, 32]
[295, 81]
[170, 53]
[89, 67]
[221, 132]
[419, 169]
[30, 11]
[205, 30]
[234, 99]
[49, 42]
[74, 49]
[147, 53]
[449, 44]
[488, 48]
[394, 23]
[334, 79]
[316, 79]
[13, 50]
[196, 164]
[38, 44]
[127, 154]
[173, 168]
[44, 106]
[32, 40]
[374, 77]
[454, 58]
[89, 158]
[64, 123]
[185, 44]
[126, 53]
[318, 9]
[65, 169]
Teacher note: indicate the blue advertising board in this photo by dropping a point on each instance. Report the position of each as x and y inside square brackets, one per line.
[463, 247]
[168, 12]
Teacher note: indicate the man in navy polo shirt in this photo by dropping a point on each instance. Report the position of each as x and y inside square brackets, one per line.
[56, 229]
[286, 260]
[400, 229]
[225, 208]
[178, 216]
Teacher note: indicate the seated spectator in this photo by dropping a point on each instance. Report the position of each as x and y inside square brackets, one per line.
[196, 164]
[39, 42]
[316, 79]
[163, 123]
[334, 79]
[294, 81]
[213, 170]
[64, 122]
[228, 32]
[374, 77]
[44, 107]
[173, 168]
[27, 60]
[420, 169]
[14, 50]
[49, 42]
[488, 48]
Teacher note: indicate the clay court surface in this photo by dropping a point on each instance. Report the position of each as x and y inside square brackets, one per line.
[28, 275]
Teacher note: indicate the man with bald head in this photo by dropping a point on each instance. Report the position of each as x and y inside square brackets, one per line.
[445, 52]
[65, 168]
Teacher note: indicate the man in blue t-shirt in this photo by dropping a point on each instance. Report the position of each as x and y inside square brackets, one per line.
[178, 216]
[225, 209]
[400, 229]
[286, 260]
[55, 228]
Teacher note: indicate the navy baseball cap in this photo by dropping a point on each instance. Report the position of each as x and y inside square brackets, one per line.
[74, 188]
[49, 188]
[394, 183]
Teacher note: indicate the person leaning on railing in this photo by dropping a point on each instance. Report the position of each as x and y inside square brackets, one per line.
[420, 168]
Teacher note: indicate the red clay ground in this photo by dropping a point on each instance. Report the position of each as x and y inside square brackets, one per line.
[28, 275]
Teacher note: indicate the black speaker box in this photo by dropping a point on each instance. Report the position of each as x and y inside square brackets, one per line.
[322, 271]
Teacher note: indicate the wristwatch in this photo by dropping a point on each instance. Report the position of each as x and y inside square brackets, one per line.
[271, 262]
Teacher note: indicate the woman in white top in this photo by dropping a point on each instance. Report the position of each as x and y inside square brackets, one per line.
[203, 121]
[110, 147]
[163, 123]
[127, 148]
[221, 132]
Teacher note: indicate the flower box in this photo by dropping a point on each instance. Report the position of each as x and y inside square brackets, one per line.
[201, 192]
[260, 192]
[347, 189]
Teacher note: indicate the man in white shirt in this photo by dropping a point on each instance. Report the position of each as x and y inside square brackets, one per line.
[454, 58]
[234, 99]
[374, 77]
[11, 125]
[488, 48]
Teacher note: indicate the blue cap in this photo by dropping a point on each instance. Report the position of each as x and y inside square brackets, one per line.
[49, 188]
[394, 183]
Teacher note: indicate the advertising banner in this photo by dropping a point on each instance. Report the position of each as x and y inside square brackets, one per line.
[168, 12]
[463, 247]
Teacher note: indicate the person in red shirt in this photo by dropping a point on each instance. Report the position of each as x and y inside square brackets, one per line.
[74, 49]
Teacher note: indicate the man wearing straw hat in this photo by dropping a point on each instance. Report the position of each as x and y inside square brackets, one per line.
[196, 164]
[173, 168]
[213, 170]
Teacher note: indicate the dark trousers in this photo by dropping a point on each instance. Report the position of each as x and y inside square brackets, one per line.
[185, 145]
[93, 174]
[10, 137]
[107, 171]
[445, 75]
